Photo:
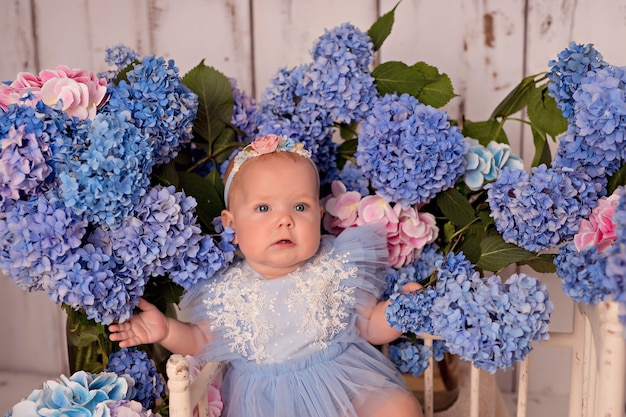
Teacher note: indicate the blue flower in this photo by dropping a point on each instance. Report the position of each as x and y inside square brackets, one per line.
[616, 255]
[149, 384]
[162, 107]
[245, 113]
[541, 210]
[566, 73]
[410, 358]
[409, 151]
[411, 312]
[354, 180]
[36, 237]
[103, 169]
[582, 273]
[487, 322]
[78, 395]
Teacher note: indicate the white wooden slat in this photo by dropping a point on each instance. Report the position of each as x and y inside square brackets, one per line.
[285, 30]
[18, 46]
[217, 31]
[80, 31]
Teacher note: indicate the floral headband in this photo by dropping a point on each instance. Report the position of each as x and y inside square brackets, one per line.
[261, 146]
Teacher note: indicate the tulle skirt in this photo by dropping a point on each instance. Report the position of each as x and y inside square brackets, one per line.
[334, 382]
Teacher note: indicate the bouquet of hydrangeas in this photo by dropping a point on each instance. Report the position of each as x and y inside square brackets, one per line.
[110, 186]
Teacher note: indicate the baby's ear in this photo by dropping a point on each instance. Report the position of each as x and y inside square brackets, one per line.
[229, 220]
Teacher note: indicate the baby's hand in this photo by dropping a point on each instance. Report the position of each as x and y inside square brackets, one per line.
[148, 326]
[410, 287]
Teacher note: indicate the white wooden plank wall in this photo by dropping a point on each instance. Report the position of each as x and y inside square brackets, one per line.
[485, 46]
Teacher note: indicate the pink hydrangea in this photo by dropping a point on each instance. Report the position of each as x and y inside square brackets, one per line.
[341, 208]
[408, 230]
[599, 229]
[80, 91]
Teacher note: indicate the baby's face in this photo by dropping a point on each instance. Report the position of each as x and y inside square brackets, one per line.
[276, 213]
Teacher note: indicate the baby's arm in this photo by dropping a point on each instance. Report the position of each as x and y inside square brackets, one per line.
[375, 328]
[152, 326]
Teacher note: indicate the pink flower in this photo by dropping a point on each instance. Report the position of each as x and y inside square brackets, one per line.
[265, 144]
[80, 91]
[415, 230]
[214, 395]
[599, 229]
[374, 209]
[340, 208]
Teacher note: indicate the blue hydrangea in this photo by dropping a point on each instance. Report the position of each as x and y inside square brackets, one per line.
[245, 113]
[78, 395]
[418, 270]
[410, 358]
[35, 237]
[541, 209]
[354, 180]
[162, 107]
[149, 384]
[582, 273]
[487, 322]
[103, 169]
[120, 56]
[409, 151]
[26, 137]
[574, 153]
[345, 44]
[567, 72]
[411, 312]
[338, 79]
[596, 136]
[484, 164]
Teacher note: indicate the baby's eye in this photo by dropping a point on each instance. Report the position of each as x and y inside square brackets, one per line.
[300, 207]
[263, 208]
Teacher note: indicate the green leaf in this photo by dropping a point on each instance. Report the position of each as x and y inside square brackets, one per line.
[497, 254]
[455, 207]
[206, 191]
[215, 101]
[397, 77]
[437, 90]
[420, 80]
[617, 179]
[166, 174]
[517, 99]
[543, 155]
[470, 245]
[381, 28]
[544, 263]
[485, 131]
[543, 113]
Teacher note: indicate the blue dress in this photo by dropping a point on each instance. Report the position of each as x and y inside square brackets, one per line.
[291, 343]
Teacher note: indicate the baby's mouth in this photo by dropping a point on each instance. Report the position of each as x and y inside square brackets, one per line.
[283, 242]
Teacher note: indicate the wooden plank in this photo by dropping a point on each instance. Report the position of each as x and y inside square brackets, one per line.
[18, 47]
[218, 32]
[285, 30]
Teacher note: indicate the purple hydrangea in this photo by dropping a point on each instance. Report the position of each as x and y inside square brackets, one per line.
[567, 72]
[36, 236]
[149, 384]
[409, 151]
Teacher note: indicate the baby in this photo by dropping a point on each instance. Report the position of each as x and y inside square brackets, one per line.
[297, 319]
